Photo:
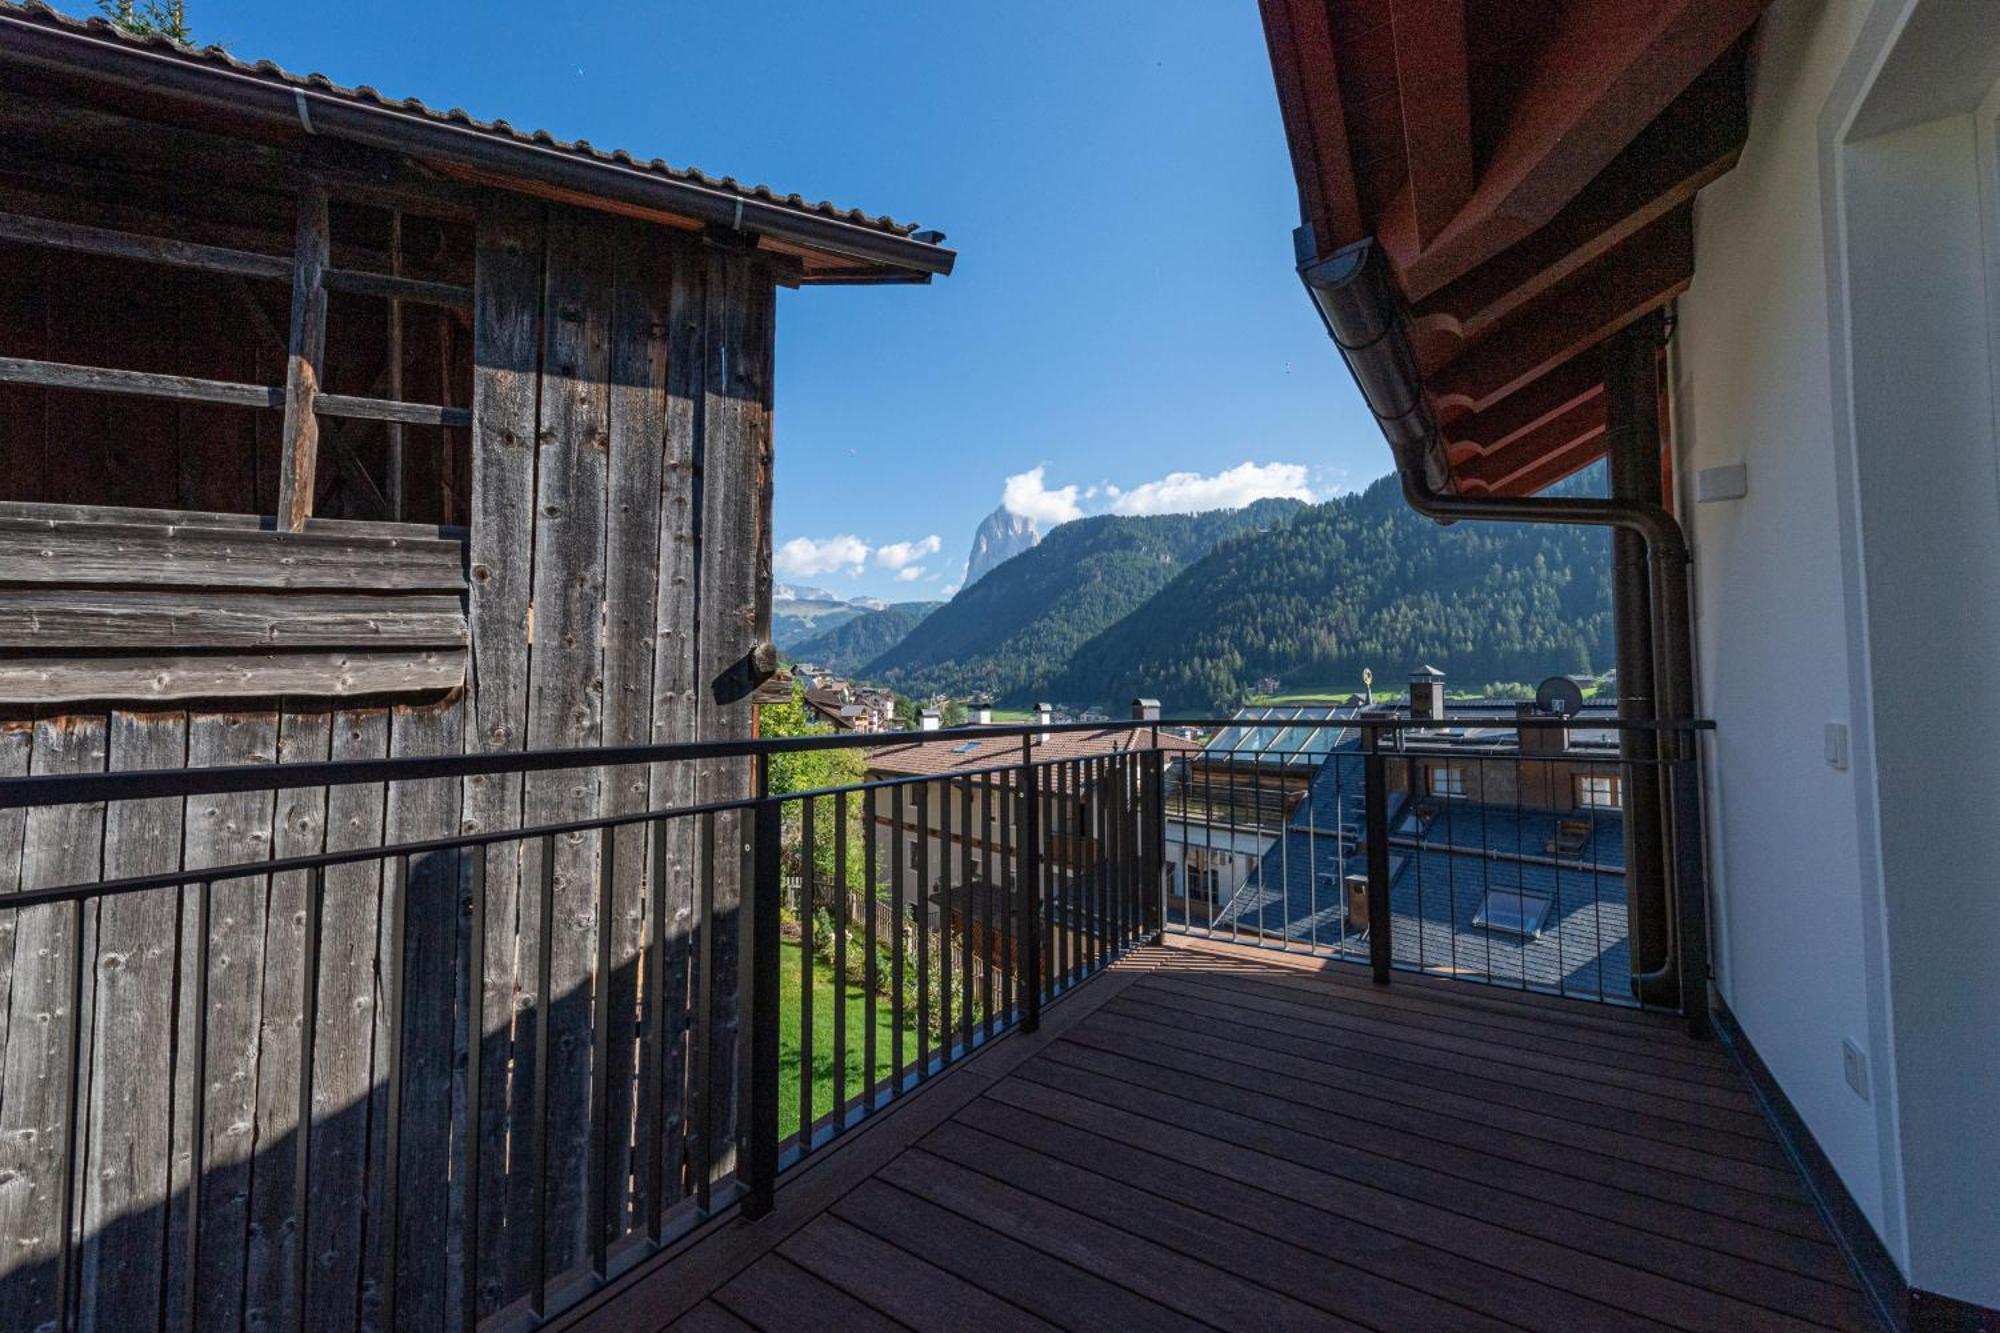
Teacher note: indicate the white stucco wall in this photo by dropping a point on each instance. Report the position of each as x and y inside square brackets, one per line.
[1836, 341]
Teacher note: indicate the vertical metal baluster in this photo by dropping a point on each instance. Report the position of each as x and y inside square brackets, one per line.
[808, 895]
[598, 1218]
[995, 869]
[871, 904]
[899, 868]
[1377, 834]
[65, 1282]
[965, 896]
[654, 1017]
[204, 892]
[920, 912]
[839, 961]
[759, 1164]
[475, 1037]
[308, 1027]
[395, 960]
[1028, 809]
[538, 1153]
[701, 1096]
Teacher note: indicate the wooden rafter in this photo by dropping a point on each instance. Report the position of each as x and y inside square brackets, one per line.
[1579, 427]
[1693, 143]
[1579, 378]
[1308, 80]
[1644, 274]
[1606, 74]
[1437, 112]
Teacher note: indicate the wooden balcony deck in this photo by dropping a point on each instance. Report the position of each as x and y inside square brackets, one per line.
[1207, 1136]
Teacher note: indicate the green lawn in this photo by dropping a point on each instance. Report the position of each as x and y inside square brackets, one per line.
[789, 991]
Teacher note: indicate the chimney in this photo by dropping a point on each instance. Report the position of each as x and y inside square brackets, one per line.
[1145, 710]
[1540, 740]
[928, 720]
[1044, 715]
[982, 716]
[1426, 694]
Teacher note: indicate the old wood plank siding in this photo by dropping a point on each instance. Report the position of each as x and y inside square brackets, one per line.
[673, 901]
[60, 845]
[616, 580]
[566, 684]
[638, 416]
[345, 1091]
[298, 828]
[734, 555]
[228, 830]
[127, 1147]
[429, 963]
[507, 357]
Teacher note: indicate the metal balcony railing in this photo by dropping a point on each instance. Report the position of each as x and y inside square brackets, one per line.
[473, 1079]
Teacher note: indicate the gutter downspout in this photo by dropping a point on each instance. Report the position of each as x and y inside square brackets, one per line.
[1363, 314]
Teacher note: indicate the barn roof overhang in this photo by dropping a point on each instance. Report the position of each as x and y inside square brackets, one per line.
[151, 76]
[1521, 176]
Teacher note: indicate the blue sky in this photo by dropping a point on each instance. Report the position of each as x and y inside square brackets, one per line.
[1113, 176]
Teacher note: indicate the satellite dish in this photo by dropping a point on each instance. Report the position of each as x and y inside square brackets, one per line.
[1367, 677]
[1560, 696]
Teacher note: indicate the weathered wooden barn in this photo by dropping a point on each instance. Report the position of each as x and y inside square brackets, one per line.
[333, 426]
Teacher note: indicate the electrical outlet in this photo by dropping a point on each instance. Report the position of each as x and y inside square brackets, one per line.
[1836, 746]
[1855, 1065]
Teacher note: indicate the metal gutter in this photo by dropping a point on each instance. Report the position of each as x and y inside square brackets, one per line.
[1357, 300]
[288, 106]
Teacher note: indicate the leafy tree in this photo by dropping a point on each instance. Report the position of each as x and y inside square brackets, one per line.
[814, 770]
[149, 18]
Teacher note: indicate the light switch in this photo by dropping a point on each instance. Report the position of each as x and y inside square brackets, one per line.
[1721, 483]
[1836, 746]
[1855, 1065]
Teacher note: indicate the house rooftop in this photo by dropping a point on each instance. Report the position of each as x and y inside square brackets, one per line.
[964, 750]
[154, 76]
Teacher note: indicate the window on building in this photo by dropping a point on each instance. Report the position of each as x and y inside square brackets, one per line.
[1600, 791]
[913, 856]
[1515, 911]
[1447, 781]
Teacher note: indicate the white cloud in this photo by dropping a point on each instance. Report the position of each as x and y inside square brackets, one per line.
[909, 573]
[950, 590]
[1191, 492]
[1024, 494]
[803, 556]
[900, 555]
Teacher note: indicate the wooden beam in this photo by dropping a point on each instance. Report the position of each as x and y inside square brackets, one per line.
[1437, 111]
[104, 620]
[159, 554]
[1582, 426]
[39, 680]
[1580, 377]
[145, 384]
[384, 409]
[1693, 143]
[1308, 79]
[148, 249]
[1608, 70]
[1644, 274]
[1555, 467]
[300, 463]
[395, 287]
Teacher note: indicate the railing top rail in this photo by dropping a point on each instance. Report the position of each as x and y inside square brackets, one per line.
[79, 788]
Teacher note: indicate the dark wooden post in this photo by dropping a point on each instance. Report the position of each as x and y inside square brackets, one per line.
[1376, 791]
[759, 1148]
[308, 348]
[1029, 886]
[1156, 843]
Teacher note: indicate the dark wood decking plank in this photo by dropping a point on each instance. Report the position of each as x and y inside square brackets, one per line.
[898, 1283]
[1274, 1263]
[1711, 1289]
[775, 1293]
[1610, 1136]
[1247, 1195]
[1668, 1053]
[1387, 1039]
[708, 1317]
[1621, 1115]
[1005, 1265]
[1422, 1134]
[1351, 1018]
[1199, 1290]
